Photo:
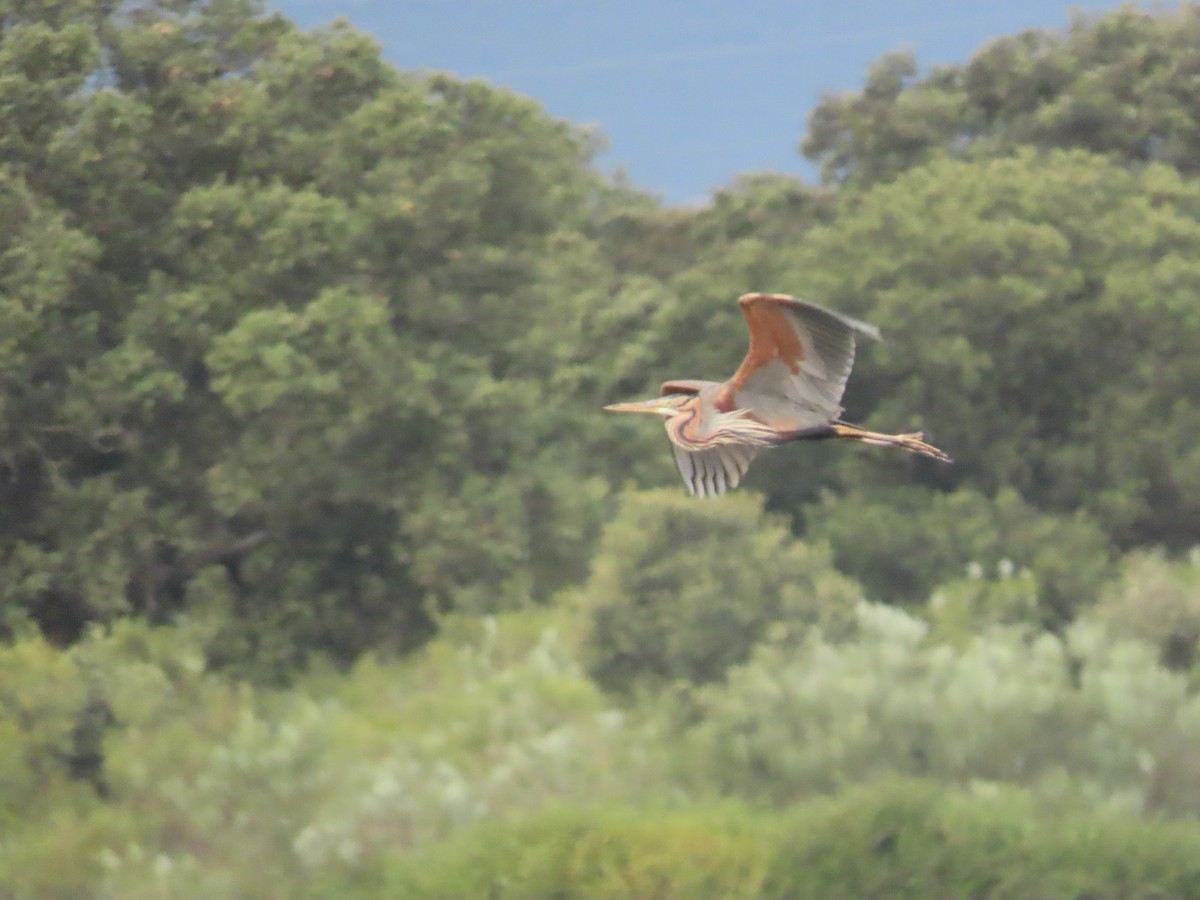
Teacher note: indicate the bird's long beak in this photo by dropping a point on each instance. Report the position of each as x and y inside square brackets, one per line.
[640, 406]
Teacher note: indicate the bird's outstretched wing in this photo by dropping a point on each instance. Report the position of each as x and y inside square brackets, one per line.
[794, 374]
[711, 472]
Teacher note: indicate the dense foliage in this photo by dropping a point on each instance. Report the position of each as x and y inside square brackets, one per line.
[681, 592]
[1122, 85]
[490, 759]
[226, 238]
[321, 573]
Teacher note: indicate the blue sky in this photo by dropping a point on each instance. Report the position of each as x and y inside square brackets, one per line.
[688, 93]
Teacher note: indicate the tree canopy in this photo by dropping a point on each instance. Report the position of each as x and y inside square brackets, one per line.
[1120, 84]
[230, 240]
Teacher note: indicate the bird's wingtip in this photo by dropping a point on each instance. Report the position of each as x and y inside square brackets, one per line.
[869, 330]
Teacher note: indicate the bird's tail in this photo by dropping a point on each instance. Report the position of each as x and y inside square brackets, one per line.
[913, 443]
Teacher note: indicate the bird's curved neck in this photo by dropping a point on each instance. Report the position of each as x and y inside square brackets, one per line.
[686, 427]
[696, 426]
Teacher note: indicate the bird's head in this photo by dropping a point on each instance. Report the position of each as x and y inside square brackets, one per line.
[661, 406]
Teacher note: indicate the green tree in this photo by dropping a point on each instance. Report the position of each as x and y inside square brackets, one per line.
[682, 591]
[904, 542]
[1039, 320]
[275, 309]
[1158, 601]
[1118, 83]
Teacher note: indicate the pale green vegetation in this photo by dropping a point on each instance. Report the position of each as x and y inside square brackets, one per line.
[322, 575]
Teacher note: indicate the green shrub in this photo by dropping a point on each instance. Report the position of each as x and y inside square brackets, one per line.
[1156, 601]
[895, 839]
[901, 543]
[593, 854]
[43, 697]
[216, 788]
[488, 764]
[491, 719]
[919, 840]
[682, 589]
[65, 716]
[1079, 716]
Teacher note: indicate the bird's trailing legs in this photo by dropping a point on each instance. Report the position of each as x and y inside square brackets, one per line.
[913, 443]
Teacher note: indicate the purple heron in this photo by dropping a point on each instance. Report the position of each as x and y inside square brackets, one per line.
[788, 388]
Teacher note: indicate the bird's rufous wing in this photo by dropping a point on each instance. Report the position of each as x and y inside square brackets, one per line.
[800, 356]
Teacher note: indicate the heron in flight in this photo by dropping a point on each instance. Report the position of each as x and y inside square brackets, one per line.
[788, 388]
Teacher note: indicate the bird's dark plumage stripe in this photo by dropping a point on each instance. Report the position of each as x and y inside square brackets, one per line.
[682, 386]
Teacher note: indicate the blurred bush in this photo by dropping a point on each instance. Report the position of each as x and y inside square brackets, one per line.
[216, 788]
[413, 777]
[1079, 717]
[42, 703]
[916, 839]
[683, 590]
[901, 543]
[1157, 600]
[962, 608]
[593, 852]
[895, 839]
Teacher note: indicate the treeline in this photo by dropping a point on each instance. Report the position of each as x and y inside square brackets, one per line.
[301, 361]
